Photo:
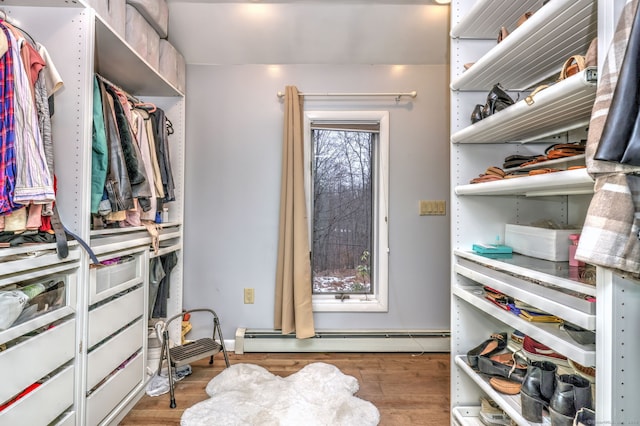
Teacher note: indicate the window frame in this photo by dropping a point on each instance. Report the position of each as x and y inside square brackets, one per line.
[378, 301]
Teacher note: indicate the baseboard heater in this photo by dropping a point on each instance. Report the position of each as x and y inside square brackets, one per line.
[258, 340]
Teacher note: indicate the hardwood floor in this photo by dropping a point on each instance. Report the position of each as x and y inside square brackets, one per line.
[408, 389]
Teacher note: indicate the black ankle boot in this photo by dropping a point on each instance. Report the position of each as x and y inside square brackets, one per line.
[572, 393]
[537, 389]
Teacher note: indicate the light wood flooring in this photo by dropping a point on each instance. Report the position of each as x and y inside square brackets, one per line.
[408, 389]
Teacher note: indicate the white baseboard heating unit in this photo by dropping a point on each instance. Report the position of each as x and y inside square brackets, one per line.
[258, 340]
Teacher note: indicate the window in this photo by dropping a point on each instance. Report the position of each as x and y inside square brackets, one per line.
[347, 199]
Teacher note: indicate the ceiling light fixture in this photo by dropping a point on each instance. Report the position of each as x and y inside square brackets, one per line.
[443, 1]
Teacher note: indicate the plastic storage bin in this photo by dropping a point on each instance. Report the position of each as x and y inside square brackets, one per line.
[548, 244]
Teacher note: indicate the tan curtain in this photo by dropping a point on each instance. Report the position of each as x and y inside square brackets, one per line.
[293, 308]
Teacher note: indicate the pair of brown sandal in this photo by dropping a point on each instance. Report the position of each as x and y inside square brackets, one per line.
[492, 173]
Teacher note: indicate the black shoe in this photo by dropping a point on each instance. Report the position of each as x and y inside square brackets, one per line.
[492, 346]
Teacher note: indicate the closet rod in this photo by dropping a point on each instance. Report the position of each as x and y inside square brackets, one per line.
[397, 95]
[131, 97]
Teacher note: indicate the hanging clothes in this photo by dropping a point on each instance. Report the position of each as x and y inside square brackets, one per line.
[117, 185]
[169, 261]
[161, 136]
[33, 183]
[7, 130]
[99, 150]
[135, 168]
[141, 137]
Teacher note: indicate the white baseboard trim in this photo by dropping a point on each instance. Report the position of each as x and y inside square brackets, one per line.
[248, 340]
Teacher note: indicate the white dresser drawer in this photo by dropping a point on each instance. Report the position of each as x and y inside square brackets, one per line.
[104, 399]
[29, 361]
[109, 355]
[107, 280]
[45, 403]
[112, 316]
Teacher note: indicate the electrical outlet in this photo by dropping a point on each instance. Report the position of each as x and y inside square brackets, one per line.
[249, 295]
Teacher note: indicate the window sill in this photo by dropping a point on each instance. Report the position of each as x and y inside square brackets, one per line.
[354, 304]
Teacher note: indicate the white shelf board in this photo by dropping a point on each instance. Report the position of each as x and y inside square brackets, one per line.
[560, 107]
[536, 50]
[568, 182]
[119, 63]
[166, 250]
[554, 273]
[510, 404]
[467, 416]
[548, 334]
[549, 300]
[487, 16]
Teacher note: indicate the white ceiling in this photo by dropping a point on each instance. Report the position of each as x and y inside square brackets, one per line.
[310, 32]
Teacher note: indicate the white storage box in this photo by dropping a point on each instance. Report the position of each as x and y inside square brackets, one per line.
[172, 65]
[142, 37]
[113, 12]
[156, 12]
[548, 244]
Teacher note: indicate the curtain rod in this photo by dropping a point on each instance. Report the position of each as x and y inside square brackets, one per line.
[330, 94]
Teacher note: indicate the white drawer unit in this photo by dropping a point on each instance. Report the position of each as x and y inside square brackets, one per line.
[45, 403]
[104, 399]
[27, 362]
[112, 352]
[106, 319]
[107, 280]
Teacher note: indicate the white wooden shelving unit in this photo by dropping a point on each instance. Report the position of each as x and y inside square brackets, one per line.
[92, 359]
[532, 54]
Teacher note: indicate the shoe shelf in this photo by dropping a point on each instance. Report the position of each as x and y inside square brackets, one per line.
[574, 308]
[568, 182]
[533, 51]
[548, 334]
[510, 404]
[574, 160]
[559, 108]
[467, 416]
[487, 16]
[557, 274]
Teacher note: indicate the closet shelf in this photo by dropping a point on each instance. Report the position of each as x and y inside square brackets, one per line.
[487, 16]
[553, 273]
[467, 415]
[574, 308]
[568, 182]
[548, 334]
[537, 49]
[510, 404]
[563, 106]
[120, 64]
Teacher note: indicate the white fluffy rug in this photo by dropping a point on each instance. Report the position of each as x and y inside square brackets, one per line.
[247, 394]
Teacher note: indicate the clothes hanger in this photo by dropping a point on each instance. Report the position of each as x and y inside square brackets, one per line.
[146, 105]
[7, 20]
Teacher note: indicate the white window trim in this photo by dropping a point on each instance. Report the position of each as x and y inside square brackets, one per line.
[379, 300]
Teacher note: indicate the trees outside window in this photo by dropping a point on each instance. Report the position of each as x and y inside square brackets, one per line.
[346, 184]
